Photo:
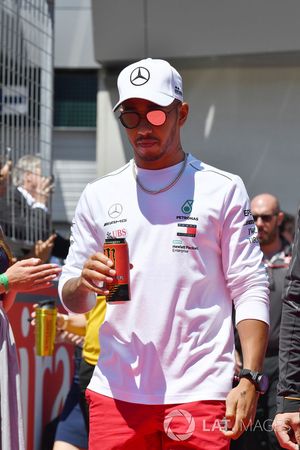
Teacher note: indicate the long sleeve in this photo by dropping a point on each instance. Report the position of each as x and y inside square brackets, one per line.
[288, 391]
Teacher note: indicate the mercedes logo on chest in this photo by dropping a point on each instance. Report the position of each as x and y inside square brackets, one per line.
[139, 76]
[115, 210]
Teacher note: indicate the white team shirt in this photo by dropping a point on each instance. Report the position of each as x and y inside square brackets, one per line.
[194, 253]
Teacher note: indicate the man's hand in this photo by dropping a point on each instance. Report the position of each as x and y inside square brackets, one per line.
[96, 276]
[241, 405]
[96, 272]
[62, 336]
[43, 249]
[44, 190]
[287, 429]
[4, 175]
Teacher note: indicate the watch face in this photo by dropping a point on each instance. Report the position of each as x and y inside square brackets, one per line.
[263, 383]
[260, 380]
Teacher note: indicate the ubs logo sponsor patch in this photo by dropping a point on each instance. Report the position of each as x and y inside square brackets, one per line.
[120, 233]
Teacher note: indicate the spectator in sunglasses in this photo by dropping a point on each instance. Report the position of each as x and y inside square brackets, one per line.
[166, 365]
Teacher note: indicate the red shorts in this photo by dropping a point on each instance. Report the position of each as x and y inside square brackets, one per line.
[115, 424]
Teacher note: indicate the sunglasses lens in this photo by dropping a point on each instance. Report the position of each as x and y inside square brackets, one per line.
[129, 119]
[264, 217]
[132, 119]
[156, 117]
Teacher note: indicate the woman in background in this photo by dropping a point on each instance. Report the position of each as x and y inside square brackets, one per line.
[23, 276]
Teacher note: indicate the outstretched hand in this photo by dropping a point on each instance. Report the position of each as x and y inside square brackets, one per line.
[44, 190]
[29, 275]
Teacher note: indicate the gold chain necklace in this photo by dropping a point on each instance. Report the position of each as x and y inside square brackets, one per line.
[164, 189]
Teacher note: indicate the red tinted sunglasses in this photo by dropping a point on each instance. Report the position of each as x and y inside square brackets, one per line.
[156, 117]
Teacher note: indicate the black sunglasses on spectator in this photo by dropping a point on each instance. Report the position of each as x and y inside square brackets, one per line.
[264, 217]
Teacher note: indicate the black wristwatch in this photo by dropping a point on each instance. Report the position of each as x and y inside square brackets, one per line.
[260, 380]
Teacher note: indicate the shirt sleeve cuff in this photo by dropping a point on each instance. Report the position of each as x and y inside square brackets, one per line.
[285, 404]
[40, 206]
[256, 310]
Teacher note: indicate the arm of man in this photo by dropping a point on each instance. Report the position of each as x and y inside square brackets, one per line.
[247, 282]
[287, 421]
[242, 400]
[96, 271]
[86, 268]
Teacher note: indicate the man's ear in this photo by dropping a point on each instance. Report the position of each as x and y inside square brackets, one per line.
[27, 175]
[280, 217]
[183, 113]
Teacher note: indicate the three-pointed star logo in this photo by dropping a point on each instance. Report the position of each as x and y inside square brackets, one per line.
[139, 76]
[115, 210]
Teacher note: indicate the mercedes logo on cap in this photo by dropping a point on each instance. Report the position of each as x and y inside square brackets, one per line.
[115, 210]
[139, 76]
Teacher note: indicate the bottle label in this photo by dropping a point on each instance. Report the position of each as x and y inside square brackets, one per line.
[118, 252]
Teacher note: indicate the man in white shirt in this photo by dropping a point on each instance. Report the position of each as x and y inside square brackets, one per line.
[167, 356]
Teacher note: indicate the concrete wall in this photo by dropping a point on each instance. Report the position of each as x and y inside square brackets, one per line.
[74, 44]
[176, 29]
[74, 166]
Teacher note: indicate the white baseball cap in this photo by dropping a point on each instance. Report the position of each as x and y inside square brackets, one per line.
[150, 79]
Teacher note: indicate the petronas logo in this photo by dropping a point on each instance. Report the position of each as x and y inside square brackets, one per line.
[187, 207]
